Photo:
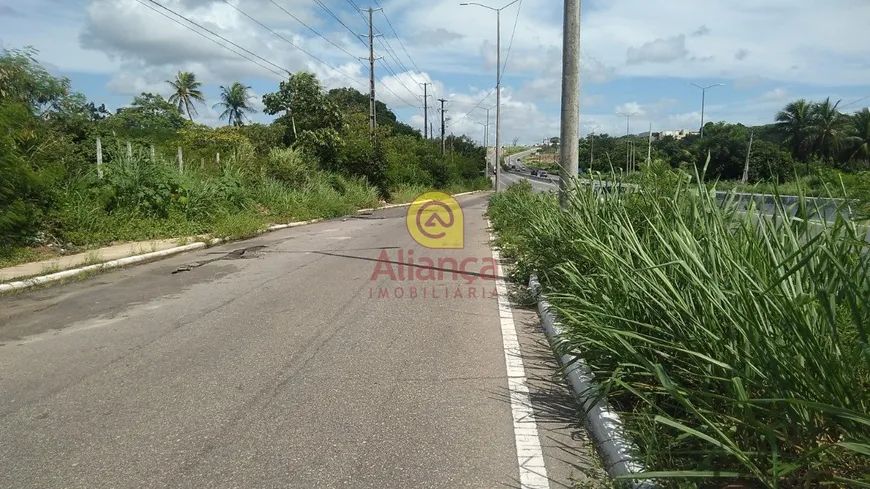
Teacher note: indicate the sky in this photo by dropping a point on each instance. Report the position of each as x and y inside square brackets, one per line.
[637, 56]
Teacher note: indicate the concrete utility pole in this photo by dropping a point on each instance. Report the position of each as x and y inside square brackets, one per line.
[592, 147]
[627, 144]
[570, 134]
[425, 110]
[373, 122]
[442, 124]
[704, 100]
[649, 147]
[746, 166]
[485, 133]
[497, 84]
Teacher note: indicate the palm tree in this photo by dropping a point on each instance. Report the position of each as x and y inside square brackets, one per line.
[861, 134]
[793, 121]
[185, 92]
[828, 128]
[235, 101]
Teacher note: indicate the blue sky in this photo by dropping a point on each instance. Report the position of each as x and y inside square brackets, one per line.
[637, 55]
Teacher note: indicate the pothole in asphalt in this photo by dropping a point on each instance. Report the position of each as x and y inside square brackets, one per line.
[240, 254]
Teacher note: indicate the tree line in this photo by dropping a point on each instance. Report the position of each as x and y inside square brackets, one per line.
[805, 139]
[319, 143]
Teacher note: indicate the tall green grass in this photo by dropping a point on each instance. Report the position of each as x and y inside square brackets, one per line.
[735, 345]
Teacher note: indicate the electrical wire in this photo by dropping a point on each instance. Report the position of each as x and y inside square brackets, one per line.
[330, 12]
[350, 77]
[476, 106]
[397, 36]
[283, 70]
[306, 25]
[511, 43]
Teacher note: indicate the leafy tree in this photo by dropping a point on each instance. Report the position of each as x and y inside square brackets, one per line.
[235, 102]
[185, 92]
[352, 101]
[303, 105]
[150, 117]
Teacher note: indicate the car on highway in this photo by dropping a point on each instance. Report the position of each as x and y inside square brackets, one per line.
[543, 173]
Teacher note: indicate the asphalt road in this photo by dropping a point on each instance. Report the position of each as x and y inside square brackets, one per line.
[283, 366]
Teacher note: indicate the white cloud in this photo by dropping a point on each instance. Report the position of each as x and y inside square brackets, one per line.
[658, 51]
[740, 42]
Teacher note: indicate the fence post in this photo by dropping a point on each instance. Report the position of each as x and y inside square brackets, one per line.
[129, 151]
[217, 158]
[201, 163]
[99, 158]
[152, 154]
[180, 161]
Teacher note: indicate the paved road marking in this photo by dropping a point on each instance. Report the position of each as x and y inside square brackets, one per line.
[533, 471]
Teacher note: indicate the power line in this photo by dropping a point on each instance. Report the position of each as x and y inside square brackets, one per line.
[855, 102]
[330, 12]
[216, 34]
[142, 2]
[396, 76]
[476, 106]
[291, 42]
[400, 41]
[511, 43]
[306, 25]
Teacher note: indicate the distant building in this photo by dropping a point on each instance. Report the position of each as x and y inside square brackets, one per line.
[657, 135]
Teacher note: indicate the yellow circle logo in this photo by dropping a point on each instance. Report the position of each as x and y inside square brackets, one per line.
[435, 220]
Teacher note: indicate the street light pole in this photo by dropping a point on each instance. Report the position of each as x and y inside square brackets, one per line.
[497, 84]
[592, 147]
[704, 100]
[627, 130]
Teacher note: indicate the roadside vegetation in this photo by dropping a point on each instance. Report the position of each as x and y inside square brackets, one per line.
[819, 147]
[316, 159]
[736, 347]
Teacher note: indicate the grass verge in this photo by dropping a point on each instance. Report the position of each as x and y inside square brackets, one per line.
[736, 348]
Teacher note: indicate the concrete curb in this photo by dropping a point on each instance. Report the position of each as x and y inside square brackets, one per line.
[602, 421]
[132, 260]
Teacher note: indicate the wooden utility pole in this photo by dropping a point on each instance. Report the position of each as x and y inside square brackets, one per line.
[442, 124]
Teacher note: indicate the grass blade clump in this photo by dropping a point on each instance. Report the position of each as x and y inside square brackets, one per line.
[734, 341]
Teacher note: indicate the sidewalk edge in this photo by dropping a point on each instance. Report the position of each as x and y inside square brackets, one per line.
[603, 422]
[134, 259]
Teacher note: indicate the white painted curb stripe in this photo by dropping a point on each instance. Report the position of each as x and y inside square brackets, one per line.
[530, 456]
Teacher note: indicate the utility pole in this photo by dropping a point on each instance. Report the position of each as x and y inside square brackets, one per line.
[592, 147]
[425, 110]
[649, 147]
[431, 131]
[497, 83]
[570, 134]
[373, 122]
[442, 124]
[746, 166]
[703, 100]
[627, 143]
